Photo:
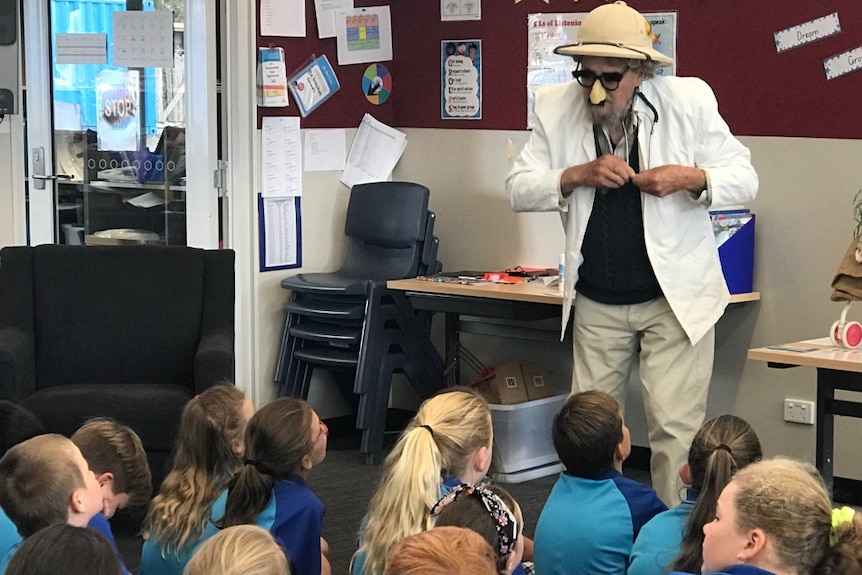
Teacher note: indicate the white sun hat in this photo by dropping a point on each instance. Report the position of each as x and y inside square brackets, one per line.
[615, 31]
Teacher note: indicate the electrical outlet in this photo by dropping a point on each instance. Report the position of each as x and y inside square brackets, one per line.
[799, 411]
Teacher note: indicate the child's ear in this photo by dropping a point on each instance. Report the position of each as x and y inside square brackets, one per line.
[104, 478]
[685, 473]
[619, 453]
[482, 459]
[754, 544]
[307, 462]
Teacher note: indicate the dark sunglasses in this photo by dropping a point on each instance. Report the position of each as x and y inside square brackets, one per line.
[610, 80]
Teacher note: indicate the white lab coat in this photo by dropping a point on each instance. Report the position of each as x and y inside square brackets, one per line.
[679, 239]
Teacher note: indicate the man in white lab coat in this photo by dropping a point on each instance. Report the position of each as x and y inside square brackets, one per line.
[633, 162]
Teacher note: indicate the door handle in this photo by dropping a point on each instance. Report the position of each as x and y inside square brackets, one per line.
[39, 175]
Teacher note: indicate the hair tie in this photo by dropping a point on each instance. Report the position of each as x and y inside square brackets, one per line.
[840, 518]
[504, 520]
[428, 427]
[256, 464]
[723, 447]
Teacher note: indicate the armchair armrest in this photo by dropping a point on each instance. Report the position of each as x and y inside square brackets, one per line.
[214, 359]
[17, 372]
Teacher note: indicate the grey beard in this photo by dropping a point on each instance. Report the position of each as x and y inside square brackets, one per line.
[613, 119]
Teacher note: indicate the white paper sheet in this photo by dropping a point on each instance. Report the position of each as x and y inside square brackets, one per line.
[460, 10]
[324, 150]
[364, 35]
[282, 18]
[82, 48]
[375, 150]
[281, 157]
[143, 39]
[325, 11]
[280, 232]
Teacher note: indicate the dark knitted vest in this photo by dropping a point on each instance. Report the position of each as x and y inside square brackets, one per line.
[616, 269]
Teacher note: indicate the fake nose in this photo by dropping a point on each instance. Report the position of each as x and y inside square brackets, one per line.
[597, 93]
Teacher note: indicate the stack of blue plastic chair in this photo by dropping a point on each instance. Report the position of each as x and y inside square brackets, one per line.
[348, 321]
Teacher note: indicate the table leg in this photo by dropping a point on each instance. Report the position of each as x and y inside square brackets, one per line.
[824, 457]
[452, 342]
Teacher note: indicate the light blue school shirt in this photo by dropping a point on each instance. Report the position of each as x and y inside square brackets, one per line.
[659, 541]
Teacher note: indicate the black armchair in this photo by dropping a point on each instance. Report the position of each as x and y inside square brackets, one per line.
[128, 332]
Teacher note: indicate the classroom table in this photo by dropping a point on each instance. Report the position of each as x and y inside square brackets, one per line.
[497, 309]
[837, 369]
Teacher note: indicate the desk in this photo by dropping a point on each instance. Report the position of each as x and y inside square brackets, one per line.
[506, 308]
[837, 369]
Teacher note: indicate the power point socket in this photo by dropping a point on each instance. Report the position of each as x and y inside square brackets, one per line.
[799, 411]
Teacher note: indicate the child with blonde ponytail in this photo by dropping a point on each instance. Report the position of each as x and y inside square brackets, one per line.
[447, 443]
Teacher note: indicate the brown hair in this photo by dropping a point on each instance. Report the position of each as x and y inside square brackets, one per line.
[788, 501]
[586, 432]
[721, 447]
[204, 461]
[470, 512]
[277, 438]
[239, 550]
[442, 551]
[110, 447]
[62, 548]
[37, 480]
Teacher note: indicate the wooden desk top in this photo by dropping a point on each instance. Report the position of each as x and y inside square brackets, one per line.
[527, 291]
[812, 353]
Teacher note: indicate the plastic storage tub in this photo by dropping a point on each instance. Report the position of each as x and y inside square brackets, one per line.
[523, 448]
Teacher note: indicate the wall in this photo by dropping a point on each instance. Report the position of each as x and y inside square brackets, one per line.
[804, 225]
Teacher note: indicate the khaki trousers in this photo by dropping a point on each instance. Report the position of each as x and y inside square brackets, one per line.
[674, 375]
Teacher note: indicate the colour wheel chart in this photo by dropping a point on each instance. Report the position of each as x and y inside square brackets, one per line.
[377, 84]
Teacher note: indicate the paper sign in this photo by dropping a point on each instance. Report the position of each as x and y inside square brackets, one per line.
[282, 18]
[280, 229]
[281, 157]
[82, 48]
[143, 39]
[843, 63]
[807, 32]
[461, 82]
[460, 10]
[364, 35]
[326, 11]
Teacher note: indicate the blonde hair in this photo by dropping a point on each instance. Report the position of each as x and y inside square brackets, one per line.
[239, 550]
[204, 460]
[441, 438]
[110, 447]
[37, 480]
[788, 501]
[442, 551]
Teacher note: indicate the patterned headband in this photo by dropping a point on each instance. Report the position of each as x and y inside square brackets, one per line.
[504, 520]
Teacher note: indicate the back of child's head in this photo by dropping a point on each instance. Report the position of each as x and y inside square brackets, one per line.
[441, 439]
[490, 511]
[277, 440]
[442, 551]
[789, 502]
[110, 447]
[37, 480]
[207, 454]
[17, 424]
[62, 548]
[586, 433]
[721, 447]
[239, 550]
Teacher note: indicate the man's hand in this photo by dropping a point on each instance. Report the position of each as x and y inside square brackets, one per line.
[665, 180]
[607, 171]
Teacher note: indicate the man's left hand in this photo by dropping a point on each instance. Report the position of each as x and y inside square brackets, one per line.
[666, 180]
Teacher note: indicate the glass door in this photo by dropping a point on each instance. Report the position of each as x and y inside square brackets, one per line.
[109, 128]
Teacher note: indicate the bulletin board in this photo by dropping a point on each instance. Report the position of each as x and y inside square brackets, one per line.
[728, 43]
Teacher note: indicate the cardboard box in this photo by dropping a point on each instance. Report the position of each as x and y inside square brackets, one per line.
[514, 382]
[523, 448]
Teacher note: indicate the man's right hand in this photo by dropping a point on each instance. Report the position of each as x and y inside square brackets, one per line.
[607, 171]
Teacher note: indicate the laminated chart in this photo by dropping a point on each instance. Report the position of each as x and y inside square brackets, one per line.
[363, 32]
